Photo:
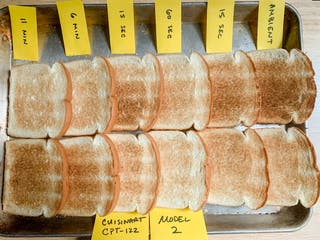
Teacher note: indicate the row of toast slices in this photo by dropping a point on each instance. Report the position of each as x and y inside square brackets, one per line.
[82, 176]
[166, 92]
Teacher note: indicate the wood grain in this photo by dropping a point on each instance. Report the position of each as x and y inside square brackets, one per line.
[309, 11]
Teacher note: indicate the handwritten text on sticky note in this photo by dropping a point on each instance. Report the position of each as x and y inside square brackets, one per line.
[121, 26]
[74, 27]
[177, 224]
[219, 29]
[168, 26]
[270, 24]
[24, 32]
[115, 226]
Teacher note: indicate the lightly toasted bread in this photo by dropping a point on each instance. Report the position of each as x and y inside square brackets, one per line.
[238, 167]
[291, 166]
[38, 101]
[91, 89]
[33, 178]
[138, 171]
[186, 93]
[286, 85]
[90, 175]
[235, 97]
[138, 89]
[183, 170]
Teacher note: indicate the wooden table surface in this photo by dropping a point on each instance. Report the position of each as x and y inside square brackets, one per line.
[309, 11]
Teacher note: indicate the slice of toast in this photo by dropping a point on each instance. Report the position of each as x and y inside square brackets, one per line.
[176, 108]
[138, 91]
[91, 105]
[235, 98]
[90, 176]
[238, 167]
[38, 101]
[183, 170]
[291, 167]
[286, 85]
[33, 178]
[138, 171]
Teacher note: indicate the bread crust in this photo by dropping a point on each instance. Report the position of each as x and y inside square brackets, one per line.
[115, 175]
[67, 102]
[156, 151]
[65, 177]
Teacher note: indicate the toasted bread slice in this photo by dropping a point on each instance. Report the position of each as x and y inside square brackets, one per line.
[33, 181]
[138, 173]
[91, 106]
[38, 101]
[238, 167]
[291, 167]
[176, 108]
[286, 85]
[183, 170]
[138, 91]
[235, 98]
[90, 173]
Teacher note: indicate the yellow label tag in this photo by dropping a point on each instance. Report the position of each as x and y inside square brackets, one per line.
[24, 32]
[121, 26]
[168, 25]
[270, 24]
[127, 226]
[177, 225]
[74, 27]
[219, 27]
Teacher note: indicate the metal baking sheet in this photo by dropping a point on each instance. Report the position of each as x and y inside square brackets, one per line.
[218, 219]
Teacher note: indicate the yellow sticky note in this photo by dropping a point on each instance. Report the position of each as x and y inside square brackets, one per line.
[219, 29]
[74, 27]
[168, 25]
[121, 26]
[115, 226]
[270, 24]
[174, 224]
[24, 32]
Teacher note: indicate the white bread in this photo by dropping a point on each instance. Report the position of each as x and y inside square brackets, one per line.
[38, 101]
[178, 93]
[33, 181]
[286, 85]
[138, 91]
[291, 166]
[138, 171]
[91, 90]
[183, 170]
[90, 176]
[238, 167]
[235, 98]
